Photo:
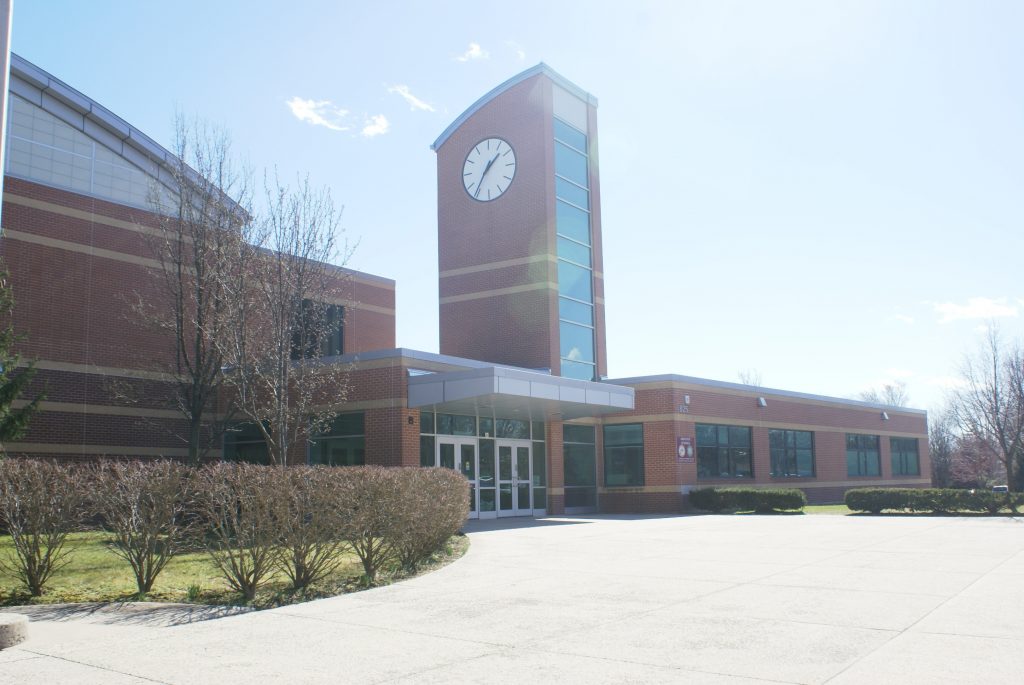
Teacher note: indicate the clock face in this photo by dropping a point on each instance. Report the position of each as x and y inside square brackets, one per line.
[489, 169]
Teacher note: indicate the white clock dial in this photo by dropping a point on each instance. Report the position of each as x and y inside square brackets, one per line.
[489, 169]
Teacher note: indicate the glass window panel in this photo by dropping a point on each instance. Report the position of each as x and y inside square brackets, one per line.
[540, 470]
[626, 434]
[538, 430]
[572, 222]
[579, 370]
[486, 429]
[487, 499]
[576, 342]
[426, 422]
[803, 439]
[571, 164]
[580, 465]
[347, 424]
[739, 437]
[575, 311]
[516, 429]
[348, 451]
[486, 463]
[573, 251]
[571, 135]
[427, 455]
[447, 455]
[467, 461]
[504, 462]
[575, 282]
[706, 434]
[571, 192]
[540, 498]
[505, 496]
[577, 433]
[707, 462]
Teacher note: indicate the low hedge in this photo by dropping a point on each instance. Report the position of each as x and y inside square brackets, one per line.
[933, 500]
[746, 499]
[251, 519]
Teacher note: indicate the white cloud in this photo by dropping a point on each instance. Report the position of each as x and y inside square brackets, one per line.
[902, 318]
[375, 126]
[976, 308]
[518, 49]
[319, 113]
[899, 373]
[474, 52]
[414, 102]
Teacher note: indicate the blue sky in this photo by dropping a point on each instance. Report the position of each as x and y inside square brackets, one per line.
[827, 192]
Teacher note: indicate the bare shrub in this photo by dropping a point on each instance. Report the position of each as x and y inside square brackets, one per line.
[144, 505]
[368, 499]
[312, 546]
[433, 505]
[41, 502]
[242, 507]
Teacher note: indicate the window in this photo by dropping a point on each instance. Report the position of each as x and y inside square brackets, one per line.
[792, 453]
[723, 452]
[45, 149]
[343, 444]
[319, 331]
[862, 457]
[624, 455]
[904, 457]
[579, 464]
[244, 442]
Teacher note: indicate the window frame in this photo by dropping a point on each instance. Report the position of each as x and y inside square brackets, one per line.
[893, 452]
[862, 453]
[790, 453]
[749, 447]
[606, 448]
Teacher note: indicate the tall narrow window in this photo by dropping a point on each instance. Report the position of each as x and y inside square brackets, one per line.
[575, 254]
[862, 456]
[579, 466]
[904, 457]
[319, 331]
[624, 455]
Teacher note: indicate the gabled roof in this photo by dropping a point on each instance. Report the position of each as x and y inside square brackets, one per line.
[515, 80]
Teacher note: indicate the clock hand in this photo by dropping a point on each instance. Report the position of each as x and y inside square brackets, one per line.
[483, 175]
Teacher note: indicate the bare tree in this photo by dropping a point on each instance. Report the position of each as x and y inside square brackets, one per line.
[890, 394]
[197, 245]
[942, 447]
[288, 318]
[750, 377]
[990, 406]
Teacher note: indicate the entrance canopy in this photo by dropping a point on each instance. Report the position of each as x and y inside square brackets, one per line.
[516, 393]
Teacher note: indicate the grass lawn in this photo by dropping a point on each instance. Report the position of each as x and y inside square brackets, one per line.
[96, 574]
[829, 509]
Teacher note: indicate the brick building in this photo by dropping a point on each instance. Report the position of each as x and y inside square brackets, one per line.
[518, 398]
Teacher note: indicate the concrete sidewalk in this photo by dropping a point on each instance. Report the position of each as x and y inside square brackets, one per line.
[715, 599]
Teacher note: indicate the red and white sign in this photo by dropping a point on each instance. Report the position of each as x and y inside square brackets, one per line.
[684, 450]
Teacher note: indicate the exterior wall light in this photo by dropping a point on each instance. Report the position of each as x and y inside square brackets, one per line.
[761, 402]
[885, 416]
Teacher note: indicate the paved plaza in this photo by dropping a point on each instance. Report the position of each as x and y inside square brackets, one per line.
[702, 599]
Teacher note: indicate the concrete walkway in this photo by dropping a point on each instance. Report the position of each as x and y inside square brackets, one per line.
[710, 599]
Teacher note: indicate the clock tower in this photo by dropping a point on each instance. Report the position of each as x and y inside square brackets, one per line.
[519, 229]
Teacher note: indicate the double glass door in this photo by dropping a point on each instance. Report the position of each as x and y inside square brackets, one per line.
[500, 474]
[515, 475]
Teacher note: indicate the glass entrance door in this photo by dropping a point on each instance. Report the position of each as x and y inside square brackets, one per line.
[515, 476]
[461, 454]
